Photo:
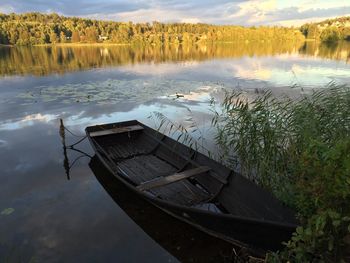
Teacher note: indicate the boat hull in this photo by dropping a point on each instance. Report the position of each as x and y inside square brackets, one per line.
[239, 230]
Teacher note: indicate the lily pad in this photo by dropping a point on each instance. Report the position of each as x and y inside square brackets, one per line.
[112, 91]
[7, 211]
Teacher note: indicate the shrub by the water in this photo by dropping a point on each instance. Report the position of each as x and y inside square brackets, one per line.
[330, 34]
[300, 151]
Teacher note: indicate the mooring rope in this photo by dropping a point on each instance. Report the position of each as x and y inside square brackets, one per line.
[72, 145]
[66, 164]
[63, 135]
[73, 133]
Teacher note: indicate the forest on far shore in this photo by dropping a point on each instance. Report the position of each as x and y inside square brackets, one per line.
[329, 30]
[37, 28]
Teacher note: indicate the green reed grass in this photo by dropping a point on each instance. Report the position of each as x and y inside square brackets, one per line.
[261, 136]
[299, 149]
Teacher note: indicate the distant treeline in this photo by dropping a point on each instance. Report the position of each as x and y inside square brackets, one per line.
[36, 28]
[330, 30]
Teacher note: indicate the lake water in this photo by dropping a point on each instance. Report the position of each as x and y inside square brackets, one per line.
[48, 215]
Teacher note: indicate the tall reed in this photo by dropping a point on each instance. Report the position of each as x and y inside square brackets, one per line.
[260, 137]
[299, 149]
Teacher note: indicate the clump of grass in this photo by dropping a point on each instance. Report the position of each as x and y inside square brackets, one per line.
[261, 137]
[299, 149]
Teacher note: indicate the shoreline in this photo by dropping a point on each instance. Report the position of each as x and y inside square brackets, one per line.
[106, 44]
[67, 45]
[80, 44]
[127, 44]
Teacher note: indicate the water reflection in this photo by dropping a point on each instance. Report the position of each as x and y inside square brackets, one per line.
[42, 61]
[333, 51]
[47, 60]
[56, 220]
[184, 242]
[66, 164]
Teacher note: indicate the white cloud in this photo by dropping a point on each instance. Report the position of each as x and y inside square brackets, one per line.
[255, 11]
[313, 5]
[27, 120]
[192, 20]
[6, 9]
[299, 22]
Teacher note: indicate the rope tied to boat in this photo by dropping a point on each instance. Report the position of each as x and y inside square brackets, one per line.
[67, 166]
[63, 135]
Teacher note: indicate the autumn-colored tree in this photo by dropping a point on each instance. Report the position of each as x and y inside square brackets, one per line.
[330, 34]
[75, 37]
[39, 28]
[63, 38]
[91, 34]
[53, 38]
[313, 32]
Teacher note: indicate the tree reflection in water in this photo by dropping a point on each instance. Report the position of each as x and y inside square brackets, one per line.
[41, 61]
[66, 164]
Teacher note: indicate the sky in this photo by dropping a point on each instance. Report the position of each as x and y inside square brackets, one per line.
[237, 12]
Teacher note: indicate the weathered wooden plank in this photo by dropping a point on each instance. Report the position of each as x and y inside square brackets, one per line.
[181, 192]
[179, 160]
[145, 168]
[116, 130]
[172, 178]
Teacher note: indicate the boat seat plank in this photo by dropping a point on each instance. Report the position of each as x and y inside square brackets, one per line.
[158, 182]
[119, 148]
[125, 151]
[145, 167]
[182, 193]
[116, 130]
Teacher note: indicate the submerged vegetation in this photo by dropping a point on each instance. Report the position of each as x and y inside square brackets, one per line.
[36, 28]
[299, 149]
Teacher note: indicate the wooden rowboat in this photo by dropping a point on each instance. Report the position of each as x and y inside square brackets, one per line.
[192, 187]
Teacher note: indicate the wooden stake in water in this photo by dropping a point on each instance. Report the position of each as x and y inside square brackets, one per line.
[66, 165]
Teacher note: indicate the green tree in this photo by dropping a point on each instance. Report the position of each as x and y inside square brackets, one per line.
[330, 34]
[313, 32]
[3, 37]
[346, 33]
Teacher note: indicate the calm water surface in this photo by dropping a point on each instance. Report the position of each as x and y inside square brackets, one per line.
[44, 217]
